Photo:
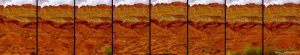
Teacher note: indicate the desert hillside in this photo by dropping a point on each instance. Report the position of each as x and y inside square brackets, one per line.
[93, 30]
[282, 28]
[206, 29]
[56, 30]
[168, 28]
[17, 30]
[244, 28]
[131, 27]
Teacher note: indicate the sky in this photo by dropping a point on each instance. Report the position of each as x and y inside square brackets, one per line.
[132, 2]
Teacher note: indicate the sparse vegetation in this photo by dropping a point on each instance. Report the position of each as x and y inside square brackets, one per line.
[248, 50]
[271, 50]
[237, 53]
[166, 53]
[24, 14]
[108, 51]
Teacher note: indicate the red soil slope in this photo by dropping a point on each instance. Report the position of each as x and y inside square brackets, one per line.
[131, 29]
[93, 29]
[56, 30]
[168, 28]
[282, 28]
[17, 30]
[206, 29]
[244, 27]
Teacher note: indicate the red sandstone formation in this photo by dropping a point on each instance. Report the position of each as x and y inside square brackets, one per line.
[93, 32]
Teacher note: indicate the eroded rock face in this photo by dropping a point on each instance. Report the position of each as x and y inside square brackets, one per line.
[18, 37]
[17, 31]
[282, 27]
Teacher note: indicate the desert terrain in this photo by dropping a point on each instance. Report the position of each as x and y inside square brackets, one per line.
[93, 30]
[56, 30]
[17, 30]
[206, 29]
[244, 29]
[282, 29]
[169, 28]
[131, 29]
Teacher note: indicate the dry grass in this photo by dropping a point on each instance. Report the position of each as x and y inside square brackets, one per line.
[277, 13]
[206, 13]
[132, 13]
[96, 14]
[20, 13]
[167, 11]
[61, 14]
[246, 13]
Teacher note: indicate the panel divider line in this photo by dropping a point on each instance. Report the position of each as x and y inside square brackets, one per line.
[149, 25]
[187, 27]
[36, 28]
[112, 25]
[225, 24]
[74, 13]
[263, 23]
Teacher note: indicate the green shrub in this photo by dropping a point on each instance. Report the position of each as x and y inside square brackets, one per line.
[257, 51]
[108, 51]
[247, 50]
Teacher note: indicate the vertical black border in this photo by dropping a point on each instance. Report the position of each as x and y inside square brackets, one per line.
[187, 27]
[112, 25]
[74, 13]
[225, 25]
[263, 23]
[150, 7]
[36, 28]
